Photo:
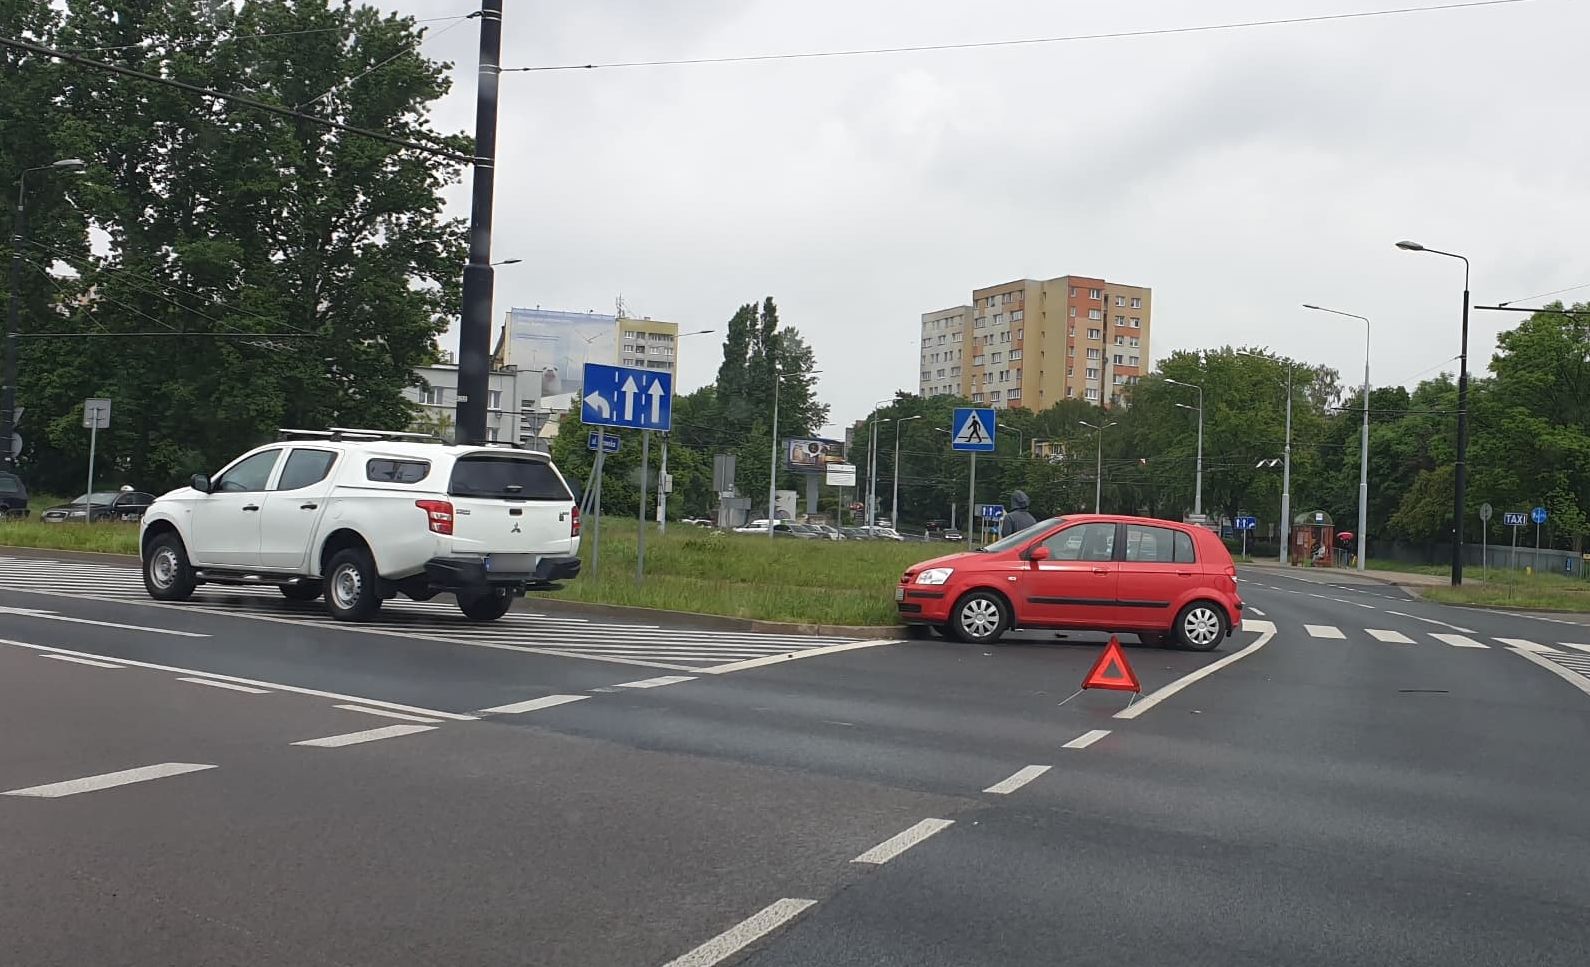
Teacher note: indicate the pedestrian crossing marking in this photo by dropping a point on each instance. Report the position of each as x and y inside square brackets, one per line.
[1524, 644]
[1457, 641]
[1390, 637]
[1569, 644]
[1324, 631]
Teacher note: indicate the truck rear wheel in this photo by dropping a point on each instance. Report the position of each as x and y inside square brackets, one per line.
[485, 605]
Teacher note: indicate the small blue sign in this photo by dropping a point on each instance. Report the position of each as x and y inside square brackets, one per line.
[972, 430]
[1246, 523]
[1538, 515]
[636, 399]
[608, 442]
[1513, 518]
[991, 511]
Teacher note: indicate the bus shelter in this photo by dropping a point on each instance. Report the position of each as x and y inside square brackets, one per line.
[1313, 539]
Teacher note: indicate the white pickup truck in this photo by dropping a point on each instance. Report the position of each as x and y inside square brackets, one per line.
[362, 516]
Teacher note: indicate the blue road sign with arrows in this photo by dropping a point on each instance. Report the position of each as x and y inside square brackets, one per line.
[1538, 515]
[1246, 523]
[991, 511]
[635, 399]
[608, 442]
[972, 430]
[1514, 519]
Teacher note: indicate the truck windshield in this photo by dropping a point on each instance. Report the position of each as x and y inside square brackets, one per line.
[493, 475]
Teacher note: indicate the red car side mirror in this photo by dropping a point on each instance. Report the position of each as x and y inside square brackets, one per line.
[1039, 553]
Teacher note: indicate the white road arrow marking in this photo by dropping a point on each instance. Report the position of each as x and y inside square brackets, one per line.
[52, 616]
[629, 389]
[656, 393]
[598, 402]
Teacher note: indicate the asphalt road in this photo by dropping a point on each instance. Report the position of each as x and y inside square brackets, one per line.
[1356, 778]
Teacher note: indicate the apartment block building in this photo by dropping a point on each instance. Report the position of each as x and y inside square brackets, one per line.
[647, 344]
[1032, 343]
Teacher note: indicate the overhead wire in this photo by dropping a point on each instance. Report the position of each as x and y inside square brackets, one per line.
[409, 49]
[235, 38]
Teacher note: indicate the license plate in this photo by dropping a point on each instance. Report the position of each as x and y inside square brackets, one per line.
[511, 563]
[899, 594]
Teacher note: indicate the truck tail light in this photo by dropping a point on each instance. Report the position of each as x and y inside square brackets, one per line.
[574, 521]
[438, 515]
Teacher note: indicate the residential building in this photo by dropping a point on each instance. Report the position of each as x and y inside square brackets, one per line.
[1031, 343]
[647, 344]
[509, 390]
[943, 341]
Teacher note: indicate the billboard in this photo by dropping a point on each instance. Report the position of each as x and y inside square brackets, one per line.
[841, 475]
[558, 344]
[812, 456]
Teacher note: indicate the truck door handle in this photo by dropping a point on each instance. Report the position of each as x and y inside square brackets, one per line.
[251, 506]
[307, 506]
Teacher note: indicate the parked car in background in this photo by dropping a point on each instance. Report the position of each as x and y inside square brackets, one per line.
[781, 528]
[100, 506]
[1164, 581]
[829, 532]
[883, 533]
[953, 535]
[13, 496]
[854, 533]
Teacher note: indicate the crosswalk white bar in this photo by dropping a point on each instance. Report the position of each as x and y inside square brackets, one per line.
[1324, 631]
[1524, 644]
[1390, 637]
[1457, 641]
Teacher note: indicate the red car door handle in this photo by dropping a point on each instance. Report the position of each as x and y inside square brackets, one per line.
[1184, 574]
[1101, 570]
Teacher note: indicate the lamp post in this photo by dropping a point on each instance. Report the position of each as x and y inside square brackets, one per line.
[894, 506]
[19, 238]
[662, 475]
[1363, 447]
[1198, 484]
[1460, 479]
[1286, 461]
[1098, 478]
[872, 462]
[772, 467]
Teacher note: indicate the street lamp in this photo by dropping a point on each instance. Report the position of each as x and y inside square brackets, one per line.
[507, 262]
[1198, 486]
[1098, 478]
[894, 506]
[1363, 451]
[872, 460]
[662, 475]
[1286, 462]
[19, 239]
[1021, 438]
[1460, 482]
[772, 467]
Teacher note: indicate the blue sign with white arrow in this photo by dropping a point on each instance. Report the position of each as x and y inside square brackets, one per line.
[635, 399]
[1538, 515]
[607, 441]
[972, 430]
[1246, 523]
[991, 511]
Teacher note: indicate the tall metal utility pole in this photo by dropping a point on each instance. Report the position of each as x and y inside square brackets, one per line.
[474, 330]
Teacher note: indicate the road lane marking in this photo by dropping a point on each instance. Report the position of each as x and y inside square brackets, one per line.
[657, 682]
[81, 661]
[1266, 630]
[1369, 606]
[1324, 631]
[534, 704]
[900, 842]
[743, 934]
[370, 735]
[1086, 739]
[385, 714]
[1569, 644]
[1431, 621]
[109, 780]
[793, 655]
[1568, 675]
[1524, 644]
[1390, 637]
[273, 686]
[226, 685]
[1256, 611]
[52, 616]
[1016, 780]
[1457, 641]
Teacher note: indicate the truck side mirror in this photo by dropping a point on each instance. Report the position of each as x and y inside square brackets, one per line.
[200, 482]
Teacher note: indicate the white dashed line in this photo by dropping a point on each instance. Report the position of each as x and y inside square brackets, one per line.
[1086, 739]
[1569, 644]
[655, 682]
[81, 661]
[1256, 611]
[1457, 641]
[226, 685]
[1324, 631]
[1390, 637]
[743, 934]
[1019, 778]
[1524, 644]
[109, 780]
[372, 735]
[1431, 621]
[900, 842]
[385, 714]
[534, 704]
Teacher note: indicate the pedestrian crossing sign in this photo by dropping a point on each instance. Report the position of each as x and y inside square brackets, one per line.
[972, 430]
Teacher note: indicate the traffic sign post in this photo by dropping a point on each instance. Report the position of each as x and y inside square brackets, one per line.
[96, 417]
[1245, 524]
[1538, 515]
[627, 398]
[972, 431]
[1486, 510]
[1514, 520]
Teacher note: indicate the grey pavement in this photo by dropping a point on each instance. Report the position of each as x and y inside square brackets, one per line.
[1381, 780]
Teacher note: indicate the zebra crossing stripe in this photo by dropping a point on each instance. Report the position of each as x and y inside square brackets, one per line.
[1524, 644]
[1390, 637]
[1324, 631]
[1457, 641]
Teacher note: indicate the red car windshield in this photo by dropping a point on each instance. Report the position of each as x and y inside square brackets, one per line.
[1021, 536]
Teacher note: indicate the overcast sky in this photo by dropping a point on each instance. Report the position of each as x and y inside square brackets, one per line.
[1238, 173]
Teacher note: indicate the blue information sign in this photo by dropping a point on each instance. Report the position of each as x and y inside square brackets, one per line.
[1538, 515]
[972, 430]
[1246, 523]
[608, 443]
[991, 511]
[635, 399]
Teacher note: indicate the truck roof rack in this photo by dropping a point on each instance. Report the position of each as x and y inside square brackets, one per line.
[353, 433]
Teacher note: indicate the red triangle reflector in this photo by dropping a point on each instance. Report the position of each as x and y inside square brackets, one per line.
[1112, 671]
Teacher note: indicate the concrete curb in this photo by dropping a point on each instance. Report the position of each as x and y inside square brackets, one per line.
[1373, 576]
[689, 620]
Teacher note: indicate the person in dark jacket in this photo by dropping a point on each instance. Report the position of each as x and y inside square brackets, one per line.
[1018, 518]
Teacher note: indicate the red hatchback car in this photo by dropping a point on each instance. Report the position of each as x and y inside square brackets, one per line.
[1160, 580]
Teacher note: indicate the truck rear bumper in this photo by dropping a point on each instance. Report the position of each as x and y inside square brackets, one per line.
[471, 573]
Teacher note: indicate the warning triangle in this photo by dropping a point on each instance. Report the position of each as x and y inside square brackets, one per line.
[1112, 671]
[972, 431]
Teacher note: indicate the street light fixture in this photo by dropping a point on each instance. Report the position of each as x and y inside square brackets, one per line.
[1460, 481]
[872, 460]
[894, 506]
[772, 467]
[1098, 477]
[1021, 438]
[662, 474]
[1286, 461]
[19, 240]
[1198, 486]
[1363, 452]
[507, 262]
